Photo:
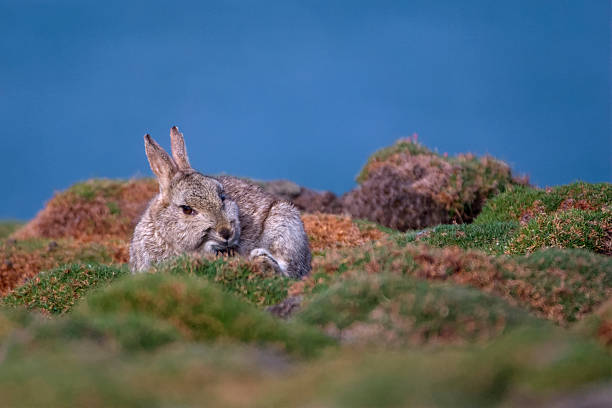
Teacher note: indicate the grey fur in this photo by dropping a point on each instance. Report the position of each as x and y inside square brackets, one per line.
[258, 225]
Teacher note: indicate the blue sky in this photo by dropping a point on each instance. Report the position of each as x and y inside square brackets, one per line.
[302, 90]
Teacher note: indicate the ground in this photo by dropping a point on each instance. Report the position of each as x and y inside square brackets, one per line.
[514, 308]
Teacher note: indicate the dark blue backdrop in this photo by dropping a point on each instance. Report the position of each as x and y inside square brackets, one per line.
[303, 90]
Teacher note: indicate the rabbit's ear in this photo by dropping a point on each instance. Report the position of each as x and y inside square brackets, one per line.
[161, 163]
[178, 149]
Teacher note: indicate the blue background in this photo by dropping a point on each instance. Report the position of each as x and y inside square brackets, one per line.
[299, 90]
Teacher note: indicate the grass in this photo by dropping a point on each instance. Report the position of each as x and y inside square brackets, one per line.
[479, 314]
[510, 205]
[90, 366]
[523, 220]
[559, 291]
[391, 311]
[591, 230]
[492, 238]
[57, 290]
[576, 280]
[200, 311]
[260, 287]
[90, 189]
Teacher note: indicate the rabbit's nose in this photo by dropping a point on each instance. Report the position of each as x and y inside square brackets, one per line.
[225, 233]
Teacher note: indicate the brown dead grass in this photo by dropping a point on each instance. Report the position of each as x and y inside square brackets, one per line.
[326, 231]
[20, 261]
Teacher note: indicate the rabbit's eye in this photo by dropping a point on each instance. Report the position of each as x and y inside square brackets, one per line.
[187, 210]
[222, 196]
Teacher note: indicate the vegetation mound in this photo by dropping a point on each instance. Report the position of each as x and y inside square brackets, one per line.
[407, 186]
[92, 210]
[524, 219]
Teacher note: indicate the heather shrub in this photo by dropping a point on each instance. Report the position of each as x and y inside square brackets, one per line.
[388, 199]
[407, 186]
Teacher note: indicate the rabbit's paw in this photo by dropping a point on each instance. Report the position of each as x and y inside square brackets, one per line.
[266, 257]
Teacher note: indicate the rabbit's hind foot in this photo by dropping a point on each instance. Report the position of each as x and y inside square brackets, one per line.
[265, 256]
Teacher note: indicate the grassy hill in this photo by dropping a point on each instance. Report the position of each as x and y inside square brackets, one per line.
[514, 308]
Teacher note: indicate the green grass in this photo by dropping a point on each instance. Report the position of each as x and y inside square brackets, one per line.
[492, 238]
[56, 291]
[261, 288]
[590, 230]
[509, 206]
[90, 189]
[388, 310]
[128, 355]
[577, 280]
[497, 230]
[200, 311]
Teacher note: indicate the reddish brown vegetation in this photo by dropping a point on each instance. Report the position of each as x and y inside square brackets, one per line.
[544, 292]
[406, 186]
[22, 260]
[104, 218]
[106, 214]
[327, 231]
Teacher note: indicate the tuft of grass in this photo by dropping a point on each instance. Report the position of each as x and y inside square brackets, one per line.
[90, 189]
[492, 238]
[24, 259]
[200, 311]
[576, 280]
[259, 286]
[573, 228]
[57, 290]
[513, 203]
[387, 310]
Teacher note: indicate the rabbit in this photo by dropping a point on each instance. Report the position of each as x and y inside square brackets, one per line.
[197, 214]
